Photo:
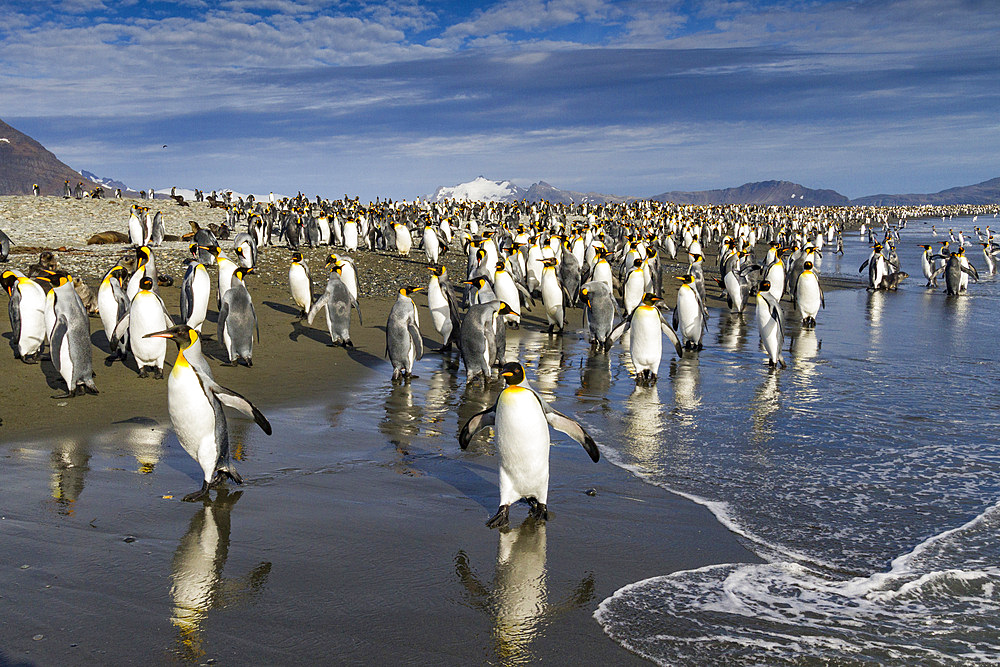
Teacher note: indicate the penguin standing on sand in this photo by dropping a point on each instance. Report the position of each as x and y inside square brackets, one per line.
[403, 342]
[196, 290]
[337, 302]
[194, 401]
[26, 309]
[770, 324]
[521, 419]
[238, 320]
[112, 306]
[146, 314]
[552, 296]
[443, 305]
[145, 267]
[647, 325]
[69, 339]
[300, 284]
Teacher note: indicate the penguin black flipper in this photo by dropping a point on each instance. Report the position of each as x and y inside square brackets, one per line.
[14, 311]
[59, 332]
[620, 329]
[561, 422]
[971, 270]
[476, 423]
[121, 330]
[230, 398]
[864, 265]
[775, 311]
[672, 335]
[354, 302]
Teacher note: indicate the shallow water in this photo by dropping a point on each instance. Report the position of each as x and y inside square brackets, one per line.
[866, 474]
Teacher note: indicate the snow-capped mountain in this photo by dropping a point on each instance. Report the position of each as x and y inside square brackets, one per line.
[107, 183]
[481, 189]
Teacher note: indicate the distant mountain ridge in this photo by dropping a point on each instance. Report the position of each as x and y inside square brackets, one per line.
[25, 162]
[761, 193]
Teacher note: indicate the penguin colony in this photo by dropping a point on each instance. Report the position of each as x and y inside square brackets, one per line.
[606, 262]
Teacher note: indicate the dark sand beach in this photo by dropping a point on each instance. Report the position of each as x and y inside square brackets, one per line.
[358, 536]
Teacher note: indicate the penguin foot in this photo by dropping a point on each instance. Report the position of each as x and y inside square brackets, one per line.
[89, 388]
[65, 394]
[143, 372]
[501, 518]
[30, 359]
[349, 344]
[158, 374]
[200, 494]
[538, 510]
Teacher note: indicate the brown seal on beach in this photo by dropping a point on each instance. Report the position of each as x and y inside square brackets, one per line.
[109, 236]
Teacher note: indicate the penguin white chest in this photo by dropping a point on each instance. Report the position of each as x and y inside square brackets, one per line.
[522, 437]
[146, 316]
[193, 416]
[646, 346]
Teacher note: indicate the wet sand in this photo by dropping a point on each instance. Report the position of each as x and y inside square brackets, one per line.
[351, 542]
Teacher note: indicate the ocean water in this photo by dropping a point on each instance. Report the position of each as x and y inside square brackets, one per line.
[866, 475]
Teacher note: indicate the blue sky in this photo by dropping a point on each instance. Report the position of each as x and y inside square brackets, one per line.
[395, 98]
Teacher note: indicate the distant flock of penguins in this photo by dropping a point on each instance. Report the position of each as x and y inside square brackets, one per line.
[608, 260]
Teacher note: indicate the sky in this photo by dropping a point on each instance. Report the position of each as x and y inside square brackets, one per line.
[393, 99]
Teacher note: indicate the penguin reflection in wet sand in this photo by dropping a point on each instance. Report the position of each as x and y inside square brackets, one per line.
[194, 401]
[403, 343]
[521, 419]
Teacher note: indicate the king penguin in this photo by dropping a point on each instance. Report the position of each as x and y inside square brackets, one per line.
[146, 314]
[521, 419]
[194, 401]
[26, 309]
[112, 306]
[443, 305]
[646, 323]
[300, 283]
[808, 295]
[770, 324]
[403, 342]
[238, 320]
[196, 290]
[599, 313]
[337, 302]
[70, 339]
[690, 319]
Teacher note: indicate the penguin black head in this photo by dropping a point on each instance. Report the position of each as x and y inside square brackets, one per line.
[687, 279]
[240, 273]
[409, 289]
[807, 266]
[650, 299]
[504, 309]
[637, 262]
[193, 248]
[512, 372]
[297, 257]
[8, 280]
[146, 283]
[477, 282]
[765, 285]
[181, 334]
[437, 270]
[331, 260]
[500, 266]
[551, 261]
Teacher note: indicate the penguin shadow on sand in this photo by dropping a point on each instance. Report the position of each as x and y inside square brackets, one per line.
[517, 598]
[196, 572]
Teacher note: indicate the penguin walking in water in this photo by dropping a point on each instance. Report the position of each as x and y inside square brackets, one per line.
[808, 295]
[647, 325]
[403, 342]
[69, 339]
[521, 418]
[599, 310]
[300, 284]
[956, 271]
[26, 310]
[337, 302]
[690, 319]
[770, 324]
[238, 320]
[112, 306]
[196, 290]
[443, 305]
[926, 264]
[146, 314]
[194, 401]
